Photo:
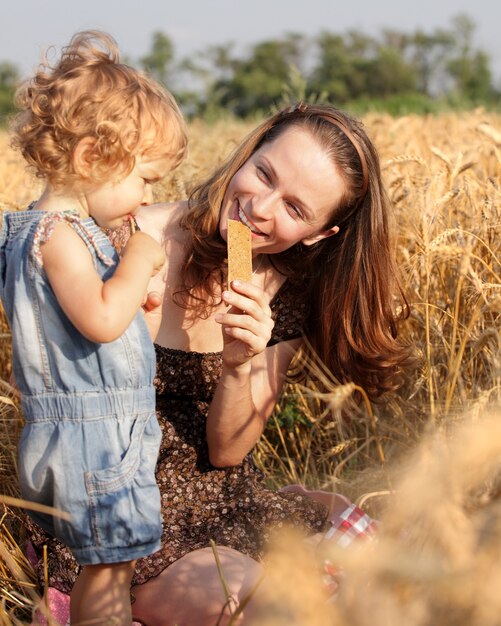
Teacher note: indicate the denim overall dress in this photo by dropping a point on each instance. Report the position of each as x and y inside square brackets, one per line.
[91, 438]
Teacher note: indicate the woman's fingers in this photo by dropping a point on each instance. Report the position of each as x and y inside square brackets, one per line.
[246, 323]
[152, 308]
[252, 300]
[255, 343]
[245, 313]
[244, 329]
[151, 301]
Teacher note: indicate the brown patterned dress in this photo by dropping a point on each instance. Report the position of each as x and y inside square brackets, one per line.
[232, 506]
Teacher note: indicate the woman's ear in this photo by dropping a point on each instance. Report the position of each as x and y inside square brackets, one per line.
[83, 157]
[309, 241]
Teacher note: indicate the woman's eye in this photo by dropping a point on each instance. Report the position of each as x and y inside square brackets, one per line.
[293, 210]
[263, 174]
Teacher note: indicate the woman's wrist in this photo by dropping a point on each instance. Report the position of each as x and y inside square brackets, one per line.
[239, 373]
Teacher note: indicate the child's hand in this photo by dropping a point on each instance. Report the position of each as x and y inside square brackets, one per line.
[148, 249]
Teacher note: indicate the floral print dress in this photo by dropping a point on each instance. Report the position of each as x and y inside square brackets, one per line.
[200, 502]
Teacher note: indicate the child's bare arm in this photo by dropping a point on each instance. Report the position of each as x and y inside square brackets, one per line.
[101, 311]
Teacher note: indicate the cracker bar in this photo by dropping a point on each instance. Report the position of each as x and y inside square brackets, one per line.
[132, 224]
[239, 252]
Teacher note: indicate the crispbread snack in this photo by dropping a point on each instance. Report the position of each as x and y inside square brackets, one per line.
[239, 252]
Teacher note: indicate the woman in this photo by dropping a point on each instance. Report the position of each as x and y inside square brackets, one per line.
[307, 182]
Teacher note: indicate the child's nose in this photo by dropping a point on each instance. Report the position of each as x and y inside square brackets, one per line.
[148, 195]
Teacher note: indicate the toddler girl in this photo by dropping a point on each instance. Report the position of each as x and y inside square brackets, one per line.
[100, 134]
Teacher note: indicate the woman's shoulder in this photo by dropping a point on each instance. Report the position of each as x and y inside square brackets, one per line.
[161, 221]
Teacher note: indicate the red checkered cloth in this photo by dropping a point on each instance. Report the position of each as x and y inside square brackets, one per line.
[350, 525]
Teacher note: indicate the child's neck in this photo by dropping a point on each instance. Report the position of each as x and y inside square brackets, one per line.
[55, 200]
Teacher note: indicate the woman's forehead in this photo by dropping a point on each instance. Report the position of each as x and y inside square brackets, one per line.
[300, 145]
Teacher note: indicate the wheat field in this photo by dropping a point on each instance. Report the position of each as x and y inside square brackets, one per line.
[426, 461]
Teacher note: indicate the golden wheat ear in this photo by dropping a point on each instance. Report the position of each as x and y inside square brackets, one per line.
[239, 252]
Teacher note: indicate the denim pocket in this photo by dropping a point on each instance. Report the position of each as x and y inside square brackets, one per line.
[124, 500]
[119, 476]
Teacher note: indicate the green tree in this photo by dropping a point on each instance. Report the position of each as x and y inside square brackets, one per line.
[403, 71]
[469, 68]
[258, 81]
[429, 55]
[9, 80]
[160, 59]
[205, 72]
[336, 71]
[355, 65]
[388, 73]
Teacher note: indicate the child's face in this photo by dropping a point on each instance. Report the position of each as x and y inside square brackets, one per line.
[112, 202]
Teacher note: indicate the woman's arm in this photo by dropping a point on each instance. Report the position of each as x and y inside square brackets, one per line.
[252, 376]
[101, 311]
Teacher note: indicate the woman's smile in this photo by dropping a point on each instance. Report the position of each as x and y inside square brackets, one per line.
[245, 220]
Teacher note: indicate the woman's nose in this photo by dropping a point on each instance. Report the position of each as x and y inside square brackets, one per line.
[264, 205]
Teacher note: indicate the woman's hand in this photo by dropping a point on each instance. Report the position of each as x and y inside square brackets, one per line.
[152, 309]
[247, 325]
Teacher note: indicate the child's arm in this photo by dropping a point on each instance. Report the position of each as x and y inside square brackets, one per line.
[101, 311]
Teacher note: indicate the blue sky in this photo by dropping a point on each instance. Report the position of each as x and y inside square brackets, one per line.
[29, 26]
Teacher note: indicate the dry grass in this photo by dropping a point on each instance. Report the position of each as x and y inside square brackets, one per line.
[427, 459]
[436, 559]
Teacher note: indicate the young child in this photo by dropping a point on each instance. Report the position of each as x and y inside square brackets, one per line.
[100, 134]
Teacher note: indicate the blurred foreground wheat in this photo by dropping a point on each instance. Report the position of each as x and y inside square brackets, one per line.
[426, 460]
[436, 560]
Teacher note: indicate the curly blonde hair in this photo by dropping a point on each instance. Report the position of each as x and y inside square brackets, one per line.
[89, 93]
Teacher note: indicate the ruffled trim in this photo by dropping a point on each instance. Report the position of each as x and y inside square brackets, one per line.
[46, 226]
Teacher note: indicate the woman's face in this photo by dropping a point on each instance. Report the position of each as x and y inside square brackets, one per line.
[286, 192]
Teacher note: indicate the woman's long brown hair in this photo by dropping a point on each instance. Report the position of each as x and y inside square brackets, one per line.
[350, 280]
